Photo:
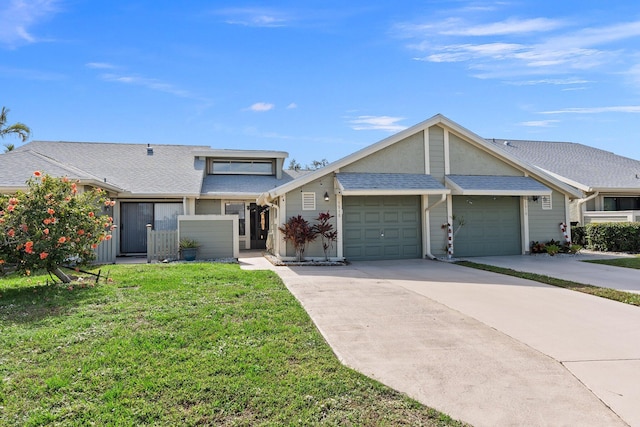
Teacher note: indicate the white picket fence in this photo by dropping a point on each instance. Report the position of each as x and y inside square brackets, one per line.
[161, 245]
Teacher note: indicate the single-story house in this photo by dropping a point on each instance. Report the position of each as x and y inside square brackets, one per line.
[401, 197]
[611, 183]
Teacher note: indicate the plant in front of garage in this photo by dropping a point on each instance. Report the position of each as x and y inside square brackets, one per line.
[299, 232]
[189, 249]
[324, 229]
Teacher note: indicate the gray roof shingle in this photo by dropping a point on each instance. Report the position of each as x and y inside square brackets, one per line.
[589, 166]
[248, 185]
[170, 170]
[491, 183]
[351, 181]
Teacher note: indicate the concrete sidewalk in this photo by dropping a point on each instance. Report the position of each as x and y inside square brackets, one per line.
[571, 267]
[485, 348]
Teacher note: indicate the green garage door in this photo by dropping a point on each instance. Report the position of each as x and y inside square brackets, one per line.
[381, 227]
[491, 226]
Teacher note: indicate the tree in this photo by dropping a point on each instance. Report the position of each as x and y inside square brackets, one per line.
[299, 232]
[20, 129]
[315, 165]
[324, 229]
[52, 224]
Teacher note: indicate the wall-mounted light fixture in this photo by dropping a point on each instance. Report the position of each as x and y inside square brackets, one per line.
[326, 196]
[534, 198]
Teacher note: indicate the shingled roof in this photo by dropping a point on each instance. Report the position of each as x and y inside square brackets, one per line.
[161, 170]
[584, 167]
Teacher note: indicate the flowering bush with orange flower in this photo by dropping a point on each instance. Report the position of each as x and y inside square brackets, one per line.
[52, 224]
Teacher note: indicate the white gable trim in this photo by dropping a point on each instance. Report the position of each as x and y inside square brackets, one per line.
[438, 119]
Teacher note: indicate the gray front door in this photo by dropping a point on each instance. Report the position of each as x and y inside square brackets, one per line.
[133, 227]
[382, 227]
[491, 225]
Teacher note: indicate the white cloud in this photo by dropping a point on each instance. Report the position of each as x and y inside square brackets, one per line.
[255, 17]
[507, 27]
[596, 110]
[540, 123]
[385, 123]
[100, 65]
[292, 106]
[153, 84]
[497, 50]
[560, 82]
[261, 107]
[17, 17]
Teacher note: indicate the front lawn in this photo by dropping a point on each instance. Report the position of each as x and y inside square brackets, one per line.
[179, 344]
[632, 262]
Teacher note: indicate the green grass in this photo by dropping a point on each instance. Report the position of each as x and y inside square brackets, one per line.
[179, 344]
[632, 262]
[612, 294]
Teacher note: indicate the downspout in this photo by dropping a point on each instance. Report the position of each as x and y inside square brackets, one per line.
[426, 210]
[582, 202]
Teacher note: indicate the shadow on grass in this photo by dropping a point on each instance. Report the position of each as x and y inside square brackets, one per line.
[31, 303]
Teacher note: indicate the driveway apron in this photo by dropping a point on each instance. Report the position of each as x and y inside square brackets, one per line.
[484, 348]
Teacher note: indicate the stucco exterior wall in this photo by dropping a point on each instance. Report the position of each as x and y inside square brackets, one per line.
[544, 225]
[406, 156]
[294, 208]
[436, 153]
[465, 159]
[437, 217]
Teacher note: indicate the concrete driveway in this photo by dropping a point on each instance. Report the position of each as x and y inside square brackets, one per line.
[484, 348]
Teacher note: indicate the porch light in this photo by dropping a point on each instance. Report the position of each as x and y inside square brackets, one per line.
[326, 196]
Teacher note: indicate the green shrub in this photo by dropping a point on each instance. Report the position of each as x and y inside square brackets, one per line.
[613, 236]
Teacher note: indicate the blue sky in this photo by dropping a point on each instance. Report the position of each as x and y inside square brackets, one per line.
[320, 79]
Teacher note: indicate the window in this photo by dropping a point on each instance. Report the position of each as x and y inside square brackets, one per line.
[308, 201]
[546, 202]
[241, 167]
[232, 208]
[621, 203]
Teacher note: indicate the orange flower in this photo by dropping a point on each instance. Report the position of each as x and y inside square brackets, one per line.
[45, 231]
[43, 255]
[50, 211]
[80, 232]
[24, 227]
[37, 174]
[94, 246]
[91, 214]
[28, 247]
[14, 201]
[62, 239]
[10, 208]
[1, 261]
[46, 221]
[107, 237]
[11, 232]
[65, 179]
[1, 220]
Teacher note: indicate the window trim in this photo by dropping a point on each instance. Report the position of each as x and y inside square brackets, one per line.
[213, 161]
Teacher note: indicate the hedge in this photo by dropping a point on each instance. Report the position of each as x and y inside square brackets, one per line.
[609, 236]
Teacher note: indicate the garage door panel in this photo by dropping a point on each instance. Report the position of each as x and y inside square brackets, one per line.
[390, 227]
[491, 226]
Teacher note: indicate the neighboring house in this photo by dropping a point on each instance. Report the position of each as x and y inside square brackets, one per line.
[390, 200]
[395, 198]
[611, 183]
[156, 185]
